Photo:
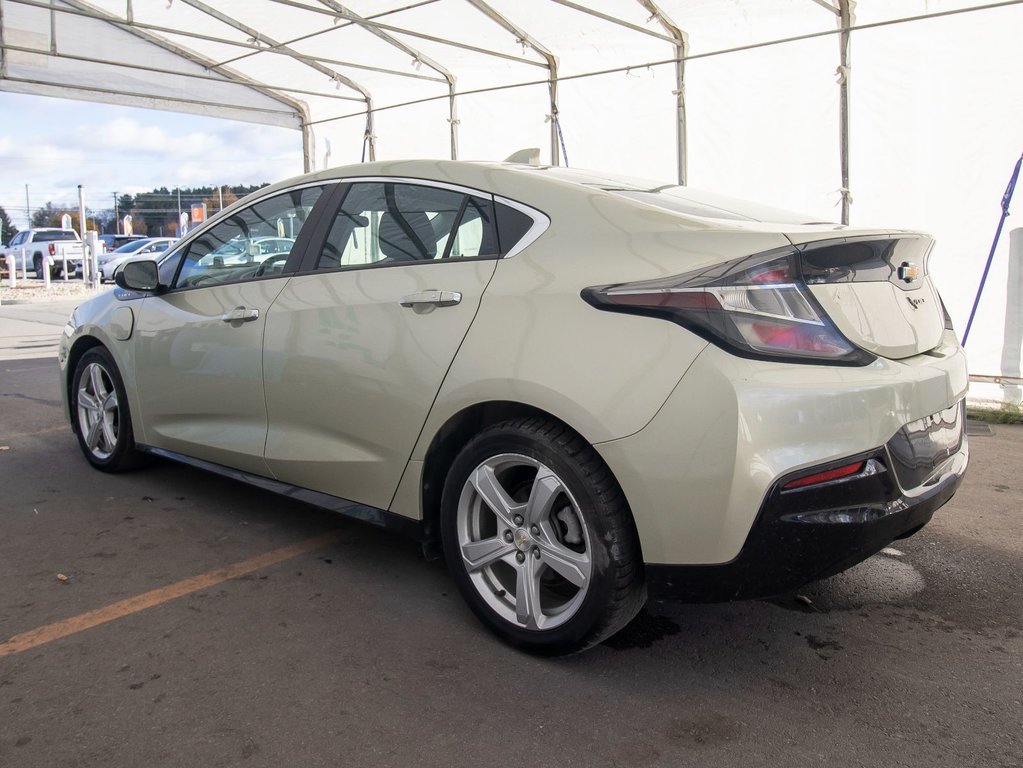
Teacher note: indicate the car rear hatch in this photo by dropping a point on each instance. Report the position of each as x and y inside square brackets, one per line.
[875, 287]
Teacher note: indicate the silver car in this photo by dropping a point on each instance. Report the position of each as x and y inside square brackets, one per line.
[582, 391]
[146, 248]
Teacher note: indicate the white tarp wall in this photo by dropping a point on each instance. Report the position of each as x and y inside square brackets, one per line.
[936, 119]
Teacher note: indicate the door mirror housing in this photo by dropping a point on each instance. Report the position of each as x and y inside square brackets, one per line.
[141, 275]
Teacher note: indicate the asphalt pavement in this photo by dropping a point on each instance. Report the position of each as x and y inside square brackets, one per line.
[167, 617]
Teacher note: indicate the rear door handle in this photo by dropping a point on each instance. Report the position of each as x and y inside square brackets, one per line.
[240, 315]
[433, 297]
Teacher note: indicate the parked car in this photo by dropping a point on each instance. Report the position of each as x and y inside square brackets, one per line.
[145, 247]
[585, 391]
[112, 242]
[48, 247]
[245, 250]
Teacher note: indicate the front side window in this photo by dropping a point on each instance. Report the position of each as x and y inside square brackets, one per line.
[394, 223]
[254, 242]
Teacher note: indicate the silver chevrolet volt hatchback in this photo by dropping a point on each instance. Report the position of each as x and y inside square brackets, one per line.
[584, 391]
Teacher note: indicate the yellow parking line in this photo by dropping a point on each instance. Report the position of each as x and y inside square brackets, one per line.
[122, 608]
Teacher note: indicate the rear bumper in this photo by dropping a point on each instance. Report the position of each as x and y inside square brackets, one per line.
[808, 534]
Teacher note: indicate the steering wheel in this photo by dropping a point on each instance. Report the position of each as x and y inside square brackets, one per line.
[269, 265]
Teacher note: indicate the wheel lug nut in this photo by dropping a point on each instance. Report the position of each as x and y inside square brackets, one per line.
[519, 556]
[534, 530]
[517, 519]
[507, 535]
[536, 551]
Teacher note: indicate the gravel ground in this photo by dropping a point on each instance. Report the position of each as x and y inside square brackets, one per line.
[33, 291]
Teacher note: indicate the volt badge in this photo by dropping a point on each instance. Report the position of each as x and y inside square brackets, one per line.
[909, 272]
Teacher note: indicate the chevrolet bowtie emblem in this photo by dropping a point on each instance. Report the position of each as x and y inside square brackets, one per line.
[909, 272]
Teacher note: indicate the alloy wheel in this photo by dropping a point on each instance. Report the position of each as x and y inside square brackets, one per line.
[524, 542]
[98, 411]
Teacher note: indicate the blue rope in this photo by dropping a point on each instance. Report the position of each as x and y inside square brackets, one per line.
[1006, 199]
[561, 138]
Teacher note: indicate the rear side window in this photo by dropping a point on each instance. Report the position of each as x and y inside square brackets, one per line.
[476, 234]
[49, 237]
[395, 223]
[512, 226]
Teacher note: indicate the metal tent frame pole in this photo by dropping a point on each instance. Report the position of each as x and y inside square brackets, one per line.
[298, 107]
[681, 42]
[417, 56]
[523, 37]
[308, 151]
[366, 22]
[845, 10]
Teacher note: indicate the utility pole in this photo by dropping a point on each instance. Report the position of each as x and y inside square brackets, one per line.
[179, 211]
[220, 193]
[28, 210]
[117, 227]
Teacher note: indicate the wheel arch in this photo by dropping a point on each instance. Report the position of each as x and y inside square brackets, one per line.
[452, 436]
[80, 346]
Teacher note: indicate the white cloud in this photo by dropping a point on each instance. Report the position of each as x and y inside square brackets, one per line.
[112, 149]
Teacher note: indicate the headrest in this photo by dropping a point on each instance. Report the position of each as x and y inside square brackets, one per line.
[407, 236]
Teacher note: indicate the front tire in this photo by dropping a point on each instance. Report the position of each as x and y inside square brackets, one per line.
[99, 414]
[540, 539]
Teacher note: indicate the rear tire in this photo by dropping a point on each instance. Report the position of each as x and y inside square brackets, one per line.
[540, 539]
[37, 264]
[100, 416]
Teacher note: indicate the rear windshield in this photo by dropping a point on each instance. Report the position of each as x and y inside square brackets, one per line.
[697, 202]
[57, 234]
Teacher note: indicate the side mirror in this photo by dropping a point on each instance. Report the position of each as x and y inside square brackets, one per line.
[142, 275]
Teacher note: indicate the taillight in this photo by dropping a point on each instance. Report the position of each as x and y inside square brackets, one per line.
[53, 249]
[757, 306]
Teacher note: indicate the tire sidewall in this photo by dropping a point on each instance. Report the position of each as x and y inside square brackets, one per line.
[589, 616]
[125, 434]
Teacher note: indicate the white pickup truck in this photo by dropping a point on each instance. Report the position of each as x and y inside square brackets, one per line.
[50, 246]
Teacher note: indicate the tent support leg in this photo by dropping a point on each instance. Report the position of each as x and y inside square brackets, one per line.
[553, 85]
[308, 147]
[681, 41]
[845, 20]
[523, 37]
[3, 48]
[370, 141]
[453, 118]
[681, 150]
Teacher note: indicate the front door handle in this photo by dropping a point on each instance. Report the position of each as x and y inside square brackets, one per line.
[240, 315]
[431, 297]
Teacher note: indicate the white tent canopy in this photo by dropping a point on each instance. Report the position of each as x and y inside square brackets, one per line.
[891, 112]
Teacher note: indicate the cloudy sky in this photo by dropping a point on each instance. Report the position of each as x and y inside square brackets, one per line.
[53, 145]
